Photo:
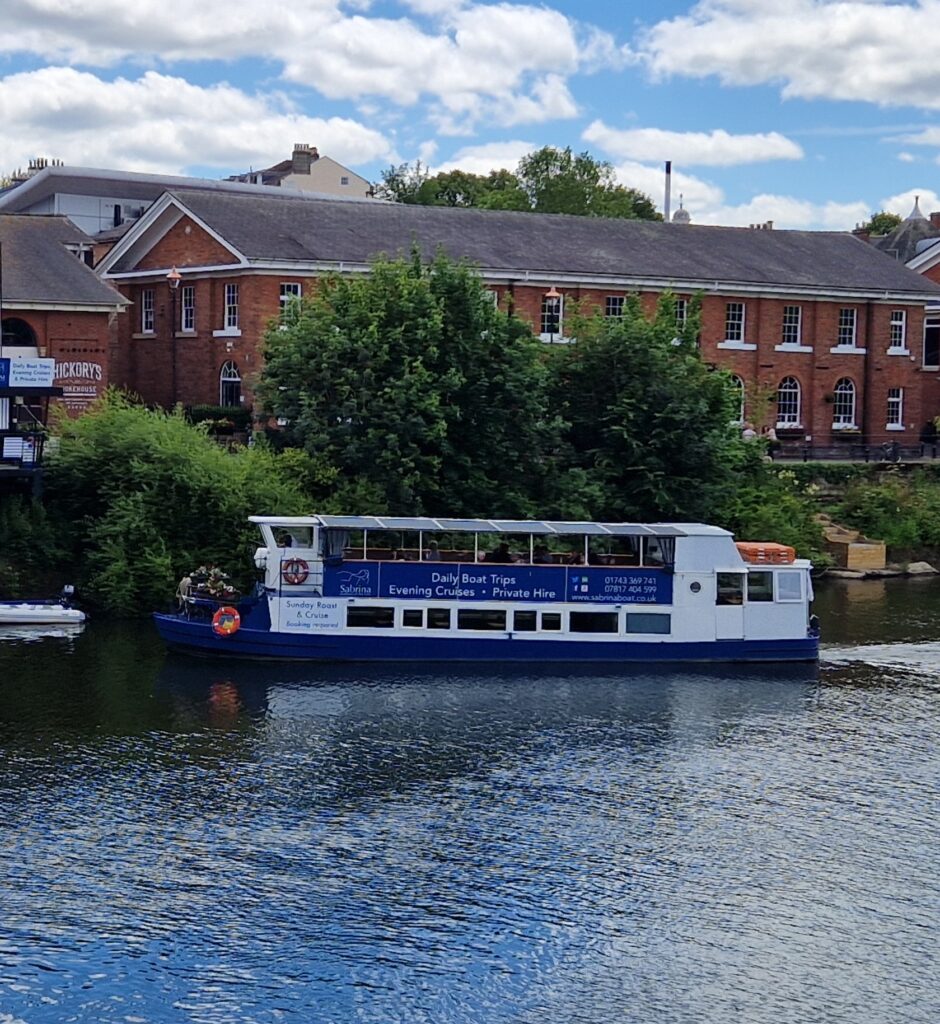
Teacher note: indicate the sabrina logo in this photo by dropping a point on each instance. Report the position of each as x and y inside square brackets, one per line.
[355, 582]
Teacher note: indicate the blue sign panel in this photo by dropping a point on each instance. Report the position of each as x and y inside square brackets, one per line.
[444, 581]
[4, 373]
[619, 586]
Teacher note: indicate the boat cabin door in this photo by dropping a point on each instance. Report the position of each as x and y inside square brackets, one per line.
[729, 605]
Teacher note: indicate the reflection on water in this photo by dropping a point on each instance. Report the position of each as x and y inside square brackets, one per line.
[190, 841]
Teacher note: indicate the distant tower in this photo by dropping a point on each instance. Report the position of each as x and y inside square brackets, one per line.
[916, 214]
[681, 216]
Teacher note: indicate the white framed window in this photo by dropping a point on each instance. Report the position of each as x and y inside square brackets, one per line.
[146, 311]
[734, 321]
[738, 384]
[789, 585]
[848, 322]
[898, 330]
[791, 331]
[931, 344]
[682, 313]
[344, 179]
[552, 318]
[231, 307]
[843, 405]
[188, 307]
[230, 384]
[895, 409]
[613, 306]
[290, 293]
[789, 396]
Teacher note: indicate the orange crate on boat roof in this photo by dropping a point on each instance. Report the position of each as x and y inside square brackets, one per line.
[766, 554]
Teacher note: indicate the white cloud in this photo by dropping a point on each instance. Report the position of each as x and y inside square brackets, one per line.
[717, 148]
[474, 60]
[163, 124]
[833, 49]
[906, 158]
[788, 212]
[492, 156]
[926, 137]
[697, 195]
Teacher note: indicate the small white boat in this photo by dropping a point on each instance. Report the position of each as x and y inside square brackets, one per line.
[54, 612]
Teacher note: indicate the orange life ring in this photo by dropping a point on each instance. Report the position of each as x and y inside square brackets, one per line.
[226, 620]
[294, 571]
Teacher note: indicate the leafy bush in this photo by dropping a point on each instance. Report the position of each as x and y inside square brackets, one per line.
[147, 496]
[235, 417]
[900, 510]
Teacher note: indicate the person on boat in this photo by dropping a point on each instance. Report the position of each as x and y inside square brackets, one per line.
[432, 554]
[500, 553]
[541, 555]
[285, 540]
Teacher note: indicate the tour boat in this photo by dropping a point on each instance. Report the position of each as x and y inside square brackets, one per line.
[411, 589]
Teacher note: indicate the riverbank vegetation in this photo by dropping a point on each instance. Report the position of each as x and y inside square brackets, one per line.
[410, 392]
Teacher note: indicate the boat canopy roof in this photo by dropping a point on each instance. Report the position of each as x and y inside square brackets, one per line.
[534, 526]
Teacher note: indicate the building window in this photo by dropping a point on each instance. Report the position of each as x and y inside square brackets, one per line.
[843, 408]
[682, 313]
[188, 308]
[788, 402]
[344, 180]
[552, 310]
[847, 320]
[899, 329]
[613, 306]
[290, 293]
[792, 324]
[146, 311]
[230, 384]
[734, 321]
[895, 408]
[738, 384]
[932, 344]
[231, 307]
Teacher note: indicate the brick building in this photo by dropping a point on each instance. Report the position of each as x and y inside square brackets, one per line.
[55, 306]
[822, 324]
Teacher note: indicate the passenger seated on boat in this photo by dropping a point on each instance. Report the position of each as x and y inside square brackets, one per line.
[285, 540]
[500, 553]
[432, 554]
[541, 555]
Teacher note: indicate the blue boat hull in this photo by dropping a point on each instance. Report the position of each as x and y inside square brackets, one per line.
[196, 637]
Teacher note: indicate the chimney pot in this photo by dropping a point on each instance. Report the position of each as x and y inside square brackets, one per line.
[935, 219]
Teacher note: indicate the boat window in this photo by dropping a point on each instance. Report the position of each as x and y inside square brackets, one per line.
[648, 622]
[593, 622]
[551, 620]
[413, 618]
[659, 551]
[789, 586]
[615, 550]
[760, 586]
[392, 546]
[481, 618]
[335, 543]
[294, 536]
[524, 622]
[730, 588]
[438, 618]
[506, 549]
[374, 617]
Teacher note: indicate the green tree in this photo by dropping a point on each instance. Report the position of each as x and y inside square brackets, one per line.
[403, 183]
[421, 394]
[881, 223]
[143, 497]
[558, 181]
[649, 432]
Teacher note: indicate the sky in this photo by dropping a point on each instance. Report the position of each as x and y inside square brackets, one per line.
[812, 114]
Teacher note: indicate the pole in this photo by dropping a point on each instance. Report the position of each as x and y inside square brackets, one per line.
[1, 300]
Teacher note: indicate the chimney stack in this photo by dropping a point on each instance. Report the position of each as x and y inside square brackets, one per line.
[303, 157]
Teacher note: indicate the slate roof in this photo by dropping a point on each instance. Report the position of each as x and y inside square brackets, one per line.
[37, 266]
[905, 241]
[281, 227]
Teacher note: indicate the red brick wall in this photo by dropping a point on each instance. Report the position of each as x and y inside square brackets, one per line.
[81, 345]
[186, 245]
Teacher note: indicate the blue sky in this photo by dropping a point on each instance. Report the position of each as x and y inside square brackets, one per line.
[810, 113]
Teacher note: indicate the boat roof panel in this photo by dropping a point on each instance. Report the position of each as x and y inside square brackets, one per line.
[534, 526]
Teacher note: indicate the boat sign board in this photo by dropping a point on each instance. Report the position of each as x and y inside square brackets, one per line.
[309, 614]
[27, 373]
[482, 582]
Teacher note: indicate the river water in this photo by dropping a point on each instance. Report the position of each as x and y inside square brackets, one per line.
[182, 841]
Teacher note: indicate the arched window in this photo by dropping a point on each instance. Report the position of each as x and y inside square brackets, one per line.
[738, 384]
[788, 403]
[17, 333]
[843, 404]
[230, 384]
